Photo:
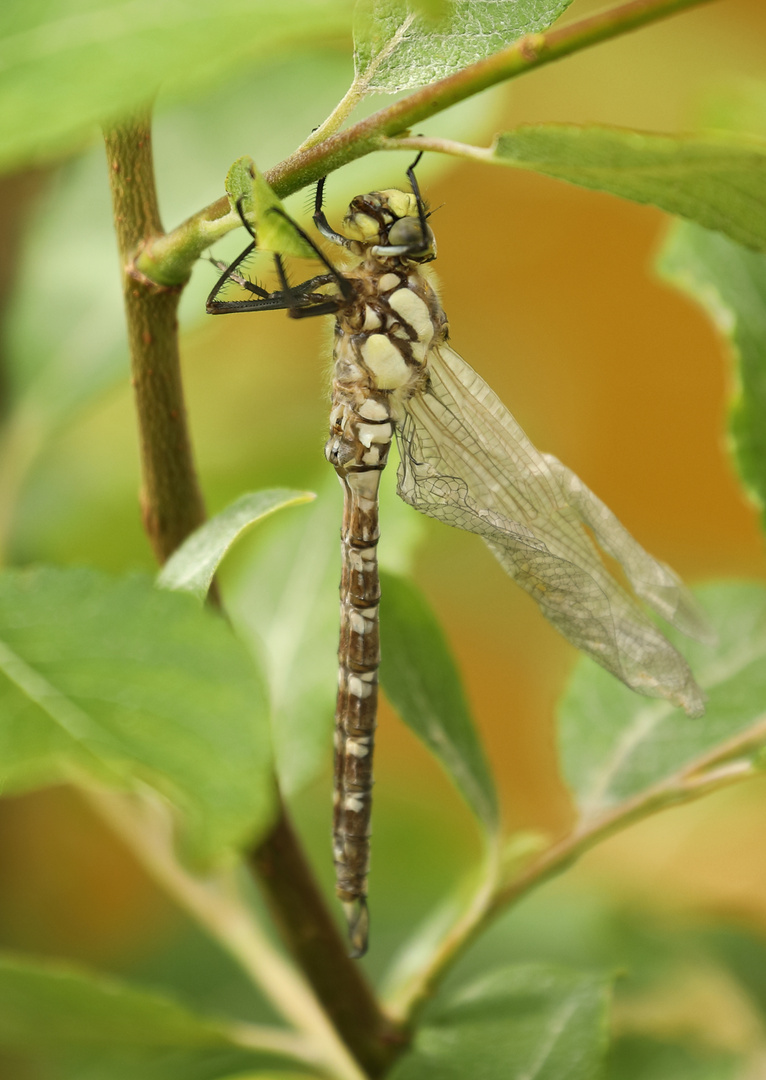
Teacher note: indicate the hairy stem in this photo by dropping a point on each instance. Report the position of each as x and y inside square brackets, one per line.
[316, 159]
[171, 500]
[727, 764]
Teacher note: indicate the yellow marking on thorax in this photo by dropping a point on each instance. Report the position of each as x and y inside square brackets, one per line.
[414, 311]
[374, 433]
[371, 318]
[373, 410]
[385, 362]
[388, 282]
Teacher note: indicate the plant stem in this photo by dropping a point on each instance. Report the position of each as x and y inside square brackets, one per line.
[316, 943]
[171, 500]
[173, 508]
[314, 160]
[275, 1040]
[708, 773]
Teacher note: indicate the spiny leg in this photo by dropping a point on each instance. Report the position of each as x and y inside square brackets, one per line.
[320, 219]
[416, 192]
[344, 285]
[292, 296]
[299, 300]
[228, 274]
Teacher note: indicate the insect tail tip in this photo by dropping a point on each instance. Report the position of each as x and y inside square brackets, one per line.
[358, 921]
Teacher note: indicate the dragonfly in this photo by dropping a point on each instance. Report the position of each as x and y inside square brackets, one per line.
[465, 461]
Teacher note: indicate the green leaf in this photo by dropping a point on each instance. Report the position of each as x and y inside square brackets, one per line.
[736, 105]
[246, 186]
[531, 1022]
[284, 600]
[718, 181]
[191, 567]
[68, 65]
[54, 1010]
[134, 685]
[634, 1058]
[270, 1075]
[730, 284]
[421, 681]
[127, 1063]
[614, 745]
[46, 1005]
[398, 49]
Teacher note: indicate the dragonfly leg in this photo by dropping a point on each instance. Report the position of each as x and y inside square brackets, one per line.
[292, 298]
[416, 192]
[227, 274]
[321, 222]
[344, 285]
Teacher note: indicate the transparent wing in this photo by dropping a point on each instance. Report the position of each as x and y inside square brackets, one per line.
[466, 461]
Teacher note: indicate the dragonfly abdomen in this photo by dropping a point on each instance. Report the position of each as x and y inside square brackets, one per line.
[381, 344]
[358, 448]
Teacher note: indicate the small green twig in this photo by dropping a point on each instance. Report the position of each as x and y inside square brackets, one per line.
[438, 146]
[356, 92]
[725, 765]
[168, 256]
[262, 1039]
[336, 119]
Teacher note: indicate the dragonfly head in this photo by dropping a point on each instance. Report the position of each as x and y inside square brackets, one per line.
[391, 224]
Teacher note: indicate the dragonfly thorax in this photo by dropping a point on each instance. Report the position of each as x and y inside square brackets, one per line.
[383, 337]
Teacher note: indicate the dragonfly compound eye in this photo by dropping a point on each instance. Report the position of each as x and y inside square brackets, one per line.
[408, 232]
